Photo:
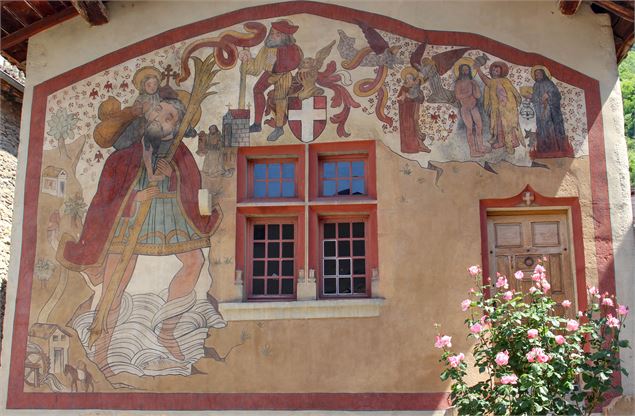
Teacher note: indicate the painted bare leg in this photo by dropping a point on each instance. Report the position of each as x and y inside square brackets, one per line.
[475, 151]
[181, 285]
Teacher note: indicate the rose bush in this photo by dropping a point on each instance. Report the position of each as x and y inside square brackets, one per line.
[530, 359]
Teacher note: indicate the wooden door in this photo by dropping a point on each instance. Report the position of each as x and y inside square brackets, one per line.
[517, 240]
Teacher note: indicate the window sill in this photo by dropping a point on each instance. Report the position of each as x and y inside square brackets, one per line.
[303, 309]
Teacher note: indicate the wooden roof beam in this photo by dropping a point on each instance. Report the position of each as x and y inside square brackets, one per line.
[94, 12]
[23, 34]
[617, 9]
[569, 7]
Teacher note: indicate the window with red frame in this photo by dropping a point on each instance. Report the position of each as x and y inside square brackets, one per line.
[343, 176]
[343, 262]
[272, 259]
[273, 178]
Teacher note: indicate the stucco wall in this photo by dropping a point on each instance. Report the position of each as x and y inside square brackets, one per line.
[398, 346]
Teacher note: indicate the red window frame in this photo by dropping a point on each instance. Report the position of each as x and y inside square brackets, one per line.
[337, 159]
[251, 179]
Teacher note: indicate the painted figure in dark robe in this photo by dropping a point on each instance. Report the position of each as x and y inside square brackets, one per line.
[409, 99]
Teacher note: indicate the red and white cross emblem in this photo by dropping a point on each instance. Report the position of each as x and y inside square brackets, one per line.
[307, 118]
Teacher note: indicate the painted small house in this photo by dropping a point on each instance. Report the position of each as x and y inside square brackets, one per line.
[236, 128]
[54, 181]
[55, 341]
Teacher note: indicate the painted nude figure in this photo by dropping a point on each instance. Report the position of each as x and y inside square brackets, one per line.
[467, 93]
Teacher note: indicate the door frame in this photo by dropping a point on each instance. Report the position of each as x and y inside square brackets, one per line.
[568, 205]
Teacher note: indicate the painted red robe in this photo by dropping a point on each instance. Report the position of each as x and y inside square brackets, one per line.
[409, 132]
[114, 199]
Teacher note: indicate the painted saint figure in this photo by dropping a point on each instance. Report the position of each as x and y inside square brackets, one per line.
[551, 140]
[173, 226]
[147, 82]
[409, 100]
[467, 93]
[276, 59]
[501, 100]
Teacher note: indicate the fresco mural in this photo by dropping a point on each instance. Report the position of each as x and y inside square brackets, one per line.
[139, 164]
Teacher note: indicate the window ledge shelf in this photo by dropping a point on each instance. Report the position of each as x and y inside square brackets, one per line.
[304, 309]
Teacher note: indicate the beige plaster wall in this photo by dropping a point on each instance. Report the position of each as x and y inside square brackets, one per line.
[423, 283]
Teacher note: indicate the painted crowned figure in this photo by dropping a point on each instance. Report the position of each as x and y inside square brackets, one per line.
[141, 170]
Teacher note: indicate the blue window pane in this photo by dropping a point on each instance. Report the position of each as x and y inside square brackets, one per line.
[260, 171]
[274, 190]
[358, 187]
[329, 188]
[288, 170]
[343, 188]
[358, 168]
[329, 170]
[260, 189]
[343, 169]
[287, 189]
[273, 170]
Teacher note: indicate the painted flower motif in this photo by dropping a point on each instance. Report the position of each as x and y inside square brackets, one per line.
[572, 325]
[465, 305]
[509, 379]
[508, 295]
[62, 125]
[560, 339]
[519, 274]
[502, 282]
[607, 302]
[455, 360]
[612, 321]
[476, 328]
[443, 341]
[502, 358]
[566, 303]
[474, 270]
[532, 333]
[622, 310]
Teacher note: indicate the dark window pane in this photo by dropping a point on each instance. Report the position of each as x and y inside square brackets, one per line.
[259, 232]
[358, 187]
[329, 188]
[329, 170]
[359, 266]
[287, 268]
[343, 248]
[343, 169]
[288, 170]
[358, 168]
[288, 189]
[259, 250]
[259, 268]
[345, 285]
[329, 230]
[273, 231]
[273, 267]
[287, 286]
[343, 230]
[359, 285]
[344, 187]
[345, 267]
[329, 249]
[258, 286]
[287, 231]
[273, 250]
[273, 287]
[273, 170]
[329, 267]
[359, 248]
[260, 171]
[329, 286]
[274, 190]
[358, 229]
[287, 250]
[260, 189]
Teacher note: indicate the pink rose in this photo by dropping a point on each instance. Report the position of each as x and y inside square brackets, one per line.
[593, 291]
[542, 357]
[502, 282]
[580, 314]
[607, 302]
[622, 310]
[508, 295]
[532, 289]
[612, 321]
[455, 360]
[532, 333]
[572, 325]
[502, 358]
[539, 269]
[509, 379]
[474, 270]
[560, 340]
[519, 274]
[545, 285]
[476, 328]
[444, 341]
[566, 303]
[537, 354]
[465, 304]
[536, 277]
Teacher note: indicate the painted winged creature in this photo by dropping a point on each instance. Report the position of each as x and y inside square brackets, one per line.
[378, 52]
[307, 74]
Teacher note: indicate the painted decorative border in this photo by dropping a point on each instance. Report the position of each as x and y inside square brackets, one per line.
[18, 399]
